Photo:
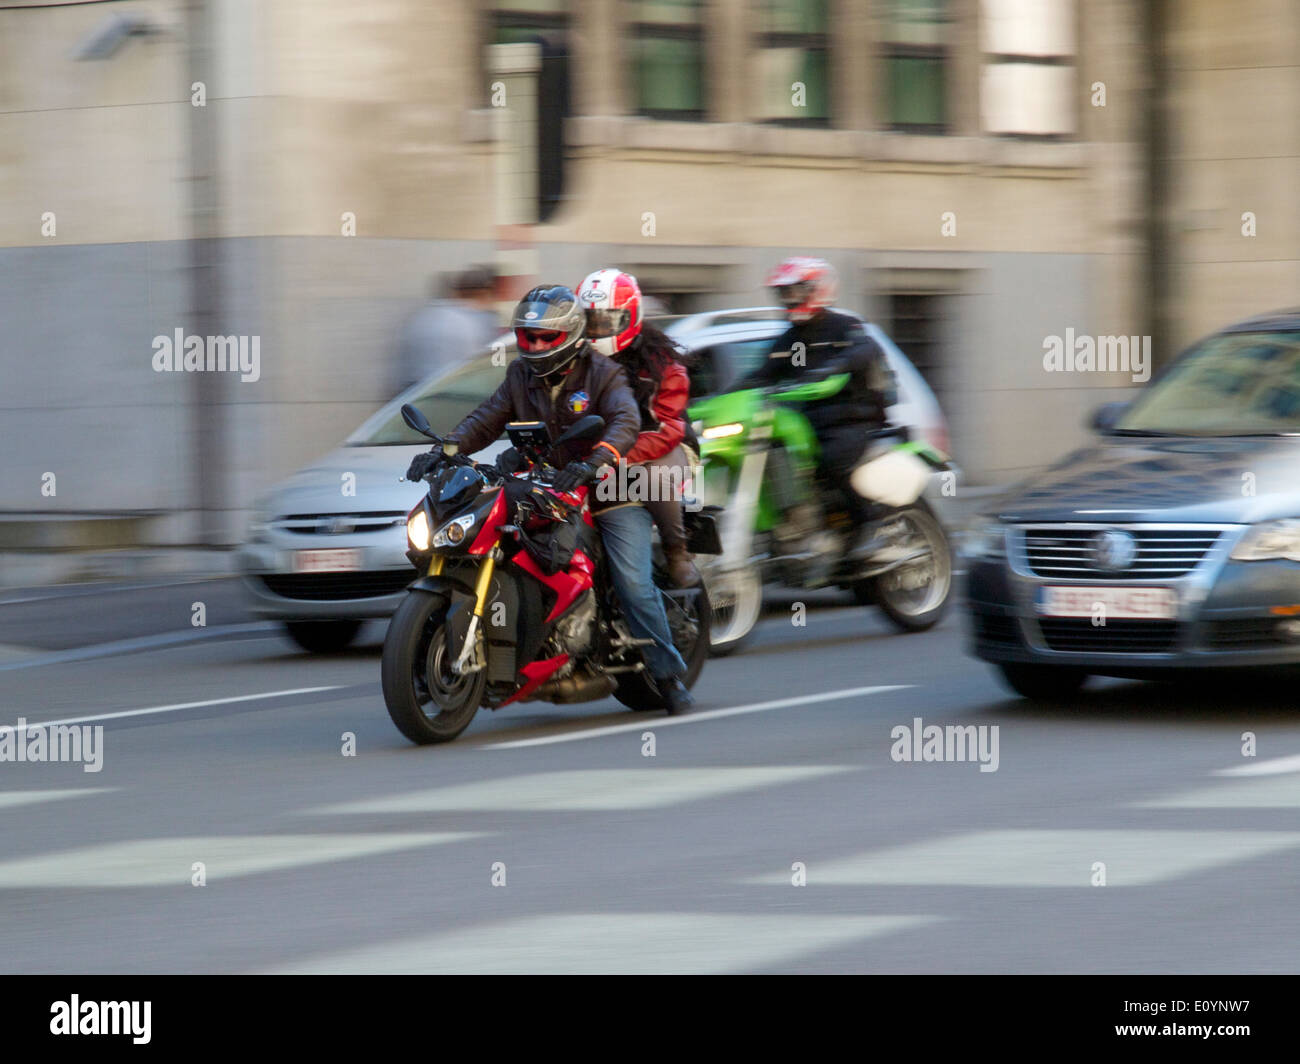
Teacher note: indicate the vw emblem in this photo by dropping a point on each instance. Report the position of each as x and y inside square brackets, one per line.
[1113, 549]
[335, 525]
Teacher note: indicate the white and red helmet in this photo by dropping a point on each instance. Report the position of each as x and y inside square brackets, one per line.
[612, 301]
[804, 286]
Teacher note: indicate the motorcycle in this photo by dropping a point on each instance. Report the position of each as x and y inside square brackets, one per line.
[514, 603]
[759, 454]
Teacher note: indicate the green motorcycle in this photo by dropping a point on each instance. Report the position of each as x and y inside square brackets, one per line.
[779, 523]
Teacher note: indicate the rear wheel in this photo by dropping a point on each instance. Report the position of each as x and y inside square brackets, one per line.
[915, 595]
[426, 700]
[322, 637]
[689, 616]
[1042, 682]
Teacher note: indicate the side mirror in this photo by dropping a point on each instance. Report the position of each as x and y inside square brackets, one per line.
[586, 428]
[1106, 416]
[416, 420]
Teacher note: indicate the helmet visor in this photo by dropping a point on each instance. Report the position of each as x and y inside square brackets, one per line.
[794, 295]
[603, 323]
[539, 341]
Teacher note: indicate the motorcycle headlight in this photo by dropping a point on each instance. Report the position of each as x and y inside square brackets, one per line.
[454, 532]
[417, 530]
[1270, 541]
[986, 537]
[718, 432]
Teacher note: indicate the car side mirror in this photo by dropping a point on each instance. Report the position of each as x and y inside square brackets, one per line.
[416, 420]
[1106, 416]
[586, 428]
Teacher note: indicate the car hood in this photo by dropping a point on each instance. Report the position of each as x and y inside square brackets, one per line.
[1227, 481]
[376, 474]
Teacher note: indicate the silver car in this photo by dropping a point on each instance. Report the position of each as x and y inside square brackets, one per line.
[326, 548]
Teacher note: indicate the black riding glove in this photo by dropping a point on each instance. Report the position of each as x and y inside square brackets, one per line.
[574, 475]
[511, 461]
[422, 464]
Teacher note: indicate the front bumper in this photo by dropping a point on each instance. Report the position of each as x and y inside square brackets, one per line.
[1225, 619]
[275, 591]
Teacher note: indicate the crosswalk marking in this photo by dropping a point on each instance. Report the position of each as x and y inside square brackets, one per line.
[1272, 767]
[602, 943]
[587, 790]
[13, 799]
[1061, 858]
[1262, 792]
[168, 862]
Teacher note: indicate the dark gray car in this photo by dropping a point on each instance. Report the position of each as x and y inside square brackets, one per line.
[1173, 542]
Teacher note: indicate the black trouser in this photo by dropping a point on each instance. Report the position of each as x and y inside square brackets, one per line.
[842, 447]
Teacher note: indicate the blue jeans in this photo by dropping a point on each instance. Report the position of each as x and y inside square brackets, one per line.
[625, 532]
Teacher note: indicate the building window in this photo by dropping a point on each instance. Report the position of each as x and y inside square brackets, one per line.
[793, 61]
[914, 41]
[667, 54]
[1027, 85]
[521, 21]
[916, 326]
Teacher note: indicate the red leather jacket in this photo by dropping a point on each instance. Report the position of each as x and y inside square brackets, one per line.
[665, 403]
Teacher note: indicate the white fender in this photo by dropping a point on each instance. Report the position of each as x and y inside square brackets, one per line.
[896, 478]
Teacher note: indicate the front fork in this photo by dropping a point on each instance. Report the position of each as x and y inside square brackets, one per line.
[465, 661]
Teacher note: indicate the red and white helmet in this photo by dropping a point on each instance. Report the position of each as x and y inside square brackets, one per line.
[612, 300]
[804, 286]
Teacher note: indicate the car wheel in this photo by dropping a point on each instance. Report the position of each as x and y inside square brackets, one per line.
[1043, 682]
[322, 637]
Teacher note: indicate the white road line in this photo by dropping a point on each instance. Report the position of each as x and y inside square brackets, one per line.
[12, 799]
[146, 642]
[168, 709]
[656, 722]
[1274, 767]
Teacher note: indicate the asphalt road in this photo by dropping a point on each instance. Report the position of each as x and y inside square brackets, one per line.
[546, 840]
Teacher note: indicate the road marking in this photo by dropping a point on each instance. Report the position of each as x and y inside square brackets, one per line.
[1275, 766]
[1062, 858]
[11, 799]
[606, 943]
[657, 722]
[141, 643]
[169, 862]
[587, 790]
[1261, 792]
[175, 707]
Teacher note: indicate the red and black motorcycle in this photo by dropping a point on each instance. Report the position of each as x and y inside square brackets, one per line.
[514, 603]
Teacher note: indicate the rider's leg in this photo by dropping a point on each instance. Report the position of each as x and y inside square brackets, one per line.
[625, 531]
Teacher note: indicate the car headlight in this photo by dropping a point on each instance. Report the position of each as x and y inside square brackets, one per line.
[417, 530]
[454, 532]
[718, 432]
[1270, 541]
[986, 537]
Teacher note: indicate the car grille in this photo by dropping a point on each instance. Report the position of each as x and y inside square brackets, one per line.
[1247, 633]
[1081, 636]
[339, 524]
[1162, 553]
[326, 587]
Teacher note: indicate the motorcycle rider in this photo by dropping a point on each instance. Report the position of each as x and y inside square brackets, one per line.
[557, 380]
[821, 342]
[616, 327]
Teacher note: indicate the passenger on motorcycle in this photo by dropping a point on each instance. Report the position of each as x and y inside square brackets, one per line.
[657, 375]
[820, 343]
[556, 380]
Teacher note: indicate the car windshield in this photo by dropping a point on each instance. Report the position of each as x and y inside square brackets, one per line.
[1237, 384]
[745, 356]
[444, 401]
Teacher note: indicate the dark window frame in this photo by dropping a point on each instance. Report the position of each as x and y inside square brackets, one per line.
[943, 52]
[809, 42]
[670, 31]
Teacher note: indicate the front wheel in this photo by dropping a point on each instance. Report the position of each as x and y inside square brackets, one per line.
[914, 596]
[426, 700]
[736, 601]
[689, 616]
[1046, 683]
[322, 637]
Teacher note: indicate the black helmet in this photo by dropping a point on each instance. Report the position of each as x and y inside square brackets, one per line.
[549, 328]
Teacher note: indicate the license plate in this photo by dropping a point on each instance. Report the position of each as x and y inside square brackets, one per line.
[1122, 603]
[334, 560]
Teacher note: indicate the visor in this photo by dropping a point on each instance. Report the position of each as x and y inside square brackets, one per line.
[538, 341]
[603, 323]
